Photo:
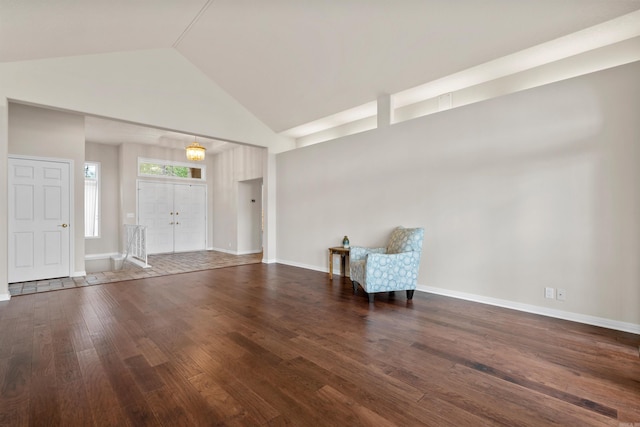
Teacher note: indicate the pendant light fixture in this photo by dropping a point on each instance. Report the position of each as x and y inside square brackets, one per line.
[195, 151]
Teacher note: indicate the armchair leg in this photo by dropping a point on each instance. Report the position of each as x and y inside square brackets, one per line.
[370, 298]
[355, 286]
[410, 294]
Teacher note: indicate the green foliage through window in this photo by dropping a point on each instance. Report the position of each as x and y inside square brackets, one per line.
[170, 171]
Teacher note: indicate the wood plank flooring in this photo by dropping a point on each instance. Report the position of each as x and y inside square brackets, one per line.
[273, 345]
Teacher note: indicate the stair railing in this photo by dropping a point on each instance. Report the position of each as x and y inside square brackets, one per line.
[136, 239]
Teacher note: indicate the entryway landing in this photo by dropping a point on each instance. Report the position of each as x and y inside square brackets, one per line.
[161, 265]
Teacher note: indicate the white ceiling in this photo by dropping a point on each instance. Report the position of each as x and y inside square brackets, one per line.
[290, 62]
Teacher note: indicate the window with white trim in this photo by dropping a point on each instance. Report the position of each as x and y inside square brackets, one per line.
[167, 169]
[92, 199]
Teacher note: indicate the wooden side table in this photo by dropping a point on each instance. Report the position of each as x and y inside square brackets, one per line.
[344, 254]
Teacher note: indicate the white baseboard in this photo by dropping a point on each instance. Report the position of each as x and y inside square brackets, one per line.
[301, 265]
[79, 274]
[255, 251]
[336, 269]
[226, 251]
[96, 257]
[544, 311]
[5, 297]
[269, 261]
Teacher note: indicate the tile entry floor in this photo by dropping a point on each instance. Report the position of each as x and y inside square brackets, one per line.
[161, 265]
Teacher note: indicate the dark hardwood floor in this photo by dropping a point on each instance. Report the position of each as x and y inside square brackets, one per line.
[276, 345]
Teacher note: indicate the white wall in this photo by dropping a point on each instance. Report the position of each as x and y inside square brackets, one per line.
[269, 190]
[39, 132]
[228, 168]
[533, 189]
[107, 156]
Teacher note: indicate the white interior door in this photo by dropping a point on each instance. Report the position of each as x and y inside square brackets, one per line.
[175, 216]
[39, 216]
[191, 217]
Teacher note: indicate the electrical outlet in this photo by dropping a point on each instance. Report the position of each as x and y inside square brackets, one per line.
[561, 295]
[549, 293]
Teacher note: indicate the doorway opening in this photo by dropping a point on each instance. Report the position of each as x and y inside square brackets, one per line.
[250, 216]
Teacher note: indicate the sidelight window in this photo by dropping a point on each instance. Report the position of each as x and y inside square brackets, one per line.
[92, 199]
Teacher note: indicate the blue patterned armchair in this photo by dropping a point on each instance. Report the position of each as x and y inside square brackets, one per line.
[394, 268]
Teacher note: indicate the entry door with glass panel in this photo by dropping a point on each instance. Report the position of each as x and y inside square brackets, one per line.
[175, 216]
[39, 213]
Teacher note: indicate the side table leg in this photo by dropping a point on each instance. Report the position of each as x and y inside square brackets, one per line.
[330, 265]
[343, 265]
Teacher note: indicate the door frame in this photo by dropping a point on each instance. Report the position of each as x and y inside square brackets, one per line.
[72, 221]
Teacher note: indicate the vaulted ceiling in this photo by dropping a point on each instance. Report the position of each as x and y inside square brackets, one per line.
[294, 61]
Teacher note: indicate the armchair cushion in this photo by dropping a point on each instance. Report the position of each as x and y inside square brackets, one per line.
[405, 240]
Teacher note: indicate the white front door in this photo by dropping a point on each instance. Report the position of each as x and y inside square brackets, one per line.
[175, 216]
[155, 211]
[39, 214]
[190, 217]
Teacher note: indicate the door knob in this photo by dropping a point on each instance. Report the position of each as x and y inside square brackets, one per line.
[64, 225]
